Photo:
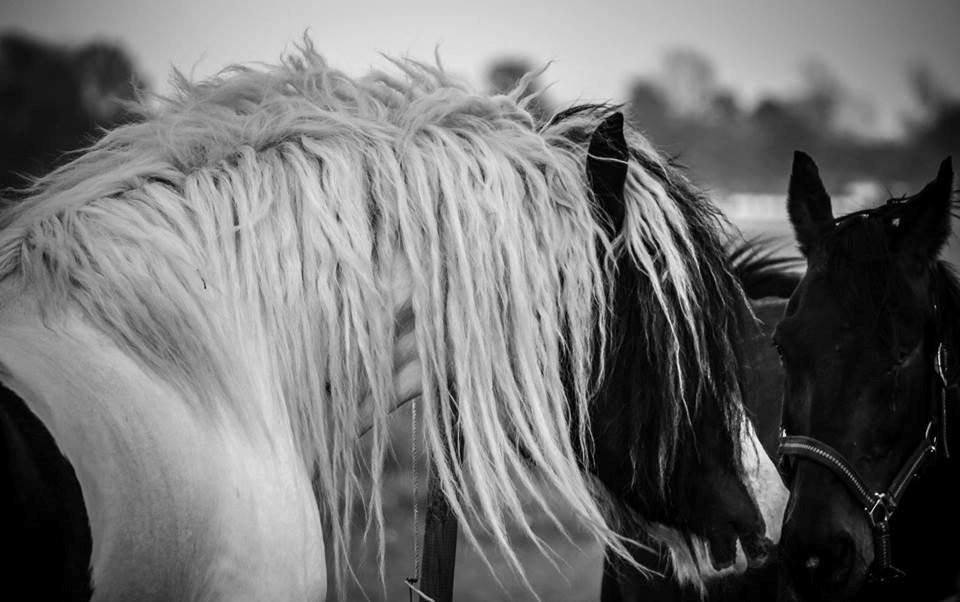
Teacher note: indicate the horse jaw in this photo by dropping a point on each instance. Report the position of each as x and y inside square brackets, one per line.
[180, 507]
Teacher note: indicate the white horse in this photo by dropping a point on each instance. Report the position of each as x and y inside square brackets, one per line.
[209, 307]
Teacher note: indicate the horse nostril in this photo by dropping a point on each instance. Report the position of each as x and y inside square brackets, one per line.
[825, 567]
[842, 550]
[833, 567]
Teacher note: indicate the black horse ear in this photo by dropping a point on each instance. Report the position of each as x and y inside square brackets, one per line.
[924, 223]
[808, 203]
[607, 168]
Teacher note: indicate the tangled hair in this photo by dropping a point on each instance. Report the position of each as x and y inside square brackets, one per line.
[253, 239]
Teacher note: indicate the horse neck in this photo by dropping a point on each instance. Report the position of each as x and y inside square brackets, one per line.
[174, 497]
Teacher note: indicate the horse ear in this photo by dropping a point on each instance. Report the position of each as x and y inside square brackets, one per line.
[607, 168]
[808, 203]
[924, 223]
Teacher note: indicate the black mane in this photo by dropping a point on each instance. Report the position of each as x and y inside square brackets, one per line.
[630, 411]
[761, 271]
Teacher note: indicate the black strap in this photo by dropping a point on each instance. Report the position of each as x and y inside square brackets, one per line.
[909, 470]
[872, 501]
[942, 367]
[820, 452]
[439, 553]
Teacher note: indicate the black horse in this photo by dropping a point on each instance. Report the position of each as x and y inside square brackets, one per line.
[870, 346]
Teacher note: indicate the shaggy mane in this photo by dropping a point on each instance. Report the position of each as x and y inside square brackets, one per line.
[250, 240]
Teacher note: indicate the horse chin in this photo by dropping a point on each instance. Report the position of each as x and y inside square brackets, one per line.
[696, 560]
[851, 588]
[723, 552]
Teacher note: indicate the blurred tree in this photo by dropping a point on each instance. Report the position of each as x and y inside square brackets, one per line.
[687, 113]
[826, 100]
[107, 79]
[723, 107]
[822, 95]
[689, 81]
[937, 131]
[505, 74]
[648, 107]
[928, 89]
[56, 99]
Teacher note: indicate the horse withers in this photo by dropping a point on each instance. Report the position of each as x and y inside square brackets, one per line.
[870, 346]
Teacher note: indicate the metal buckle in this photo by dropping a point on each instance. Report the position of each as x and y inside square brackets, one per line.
[882, 510]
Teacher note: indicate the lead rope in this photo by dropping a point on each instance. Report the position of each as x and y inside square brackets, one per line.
[414, 582]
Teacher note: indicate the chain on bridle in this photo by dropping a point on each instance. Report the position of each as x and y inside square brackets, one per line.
[881, 505]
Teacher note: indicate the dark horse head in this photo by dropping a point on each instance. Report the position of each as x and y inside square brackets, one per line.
[671, 442]
[869, 344]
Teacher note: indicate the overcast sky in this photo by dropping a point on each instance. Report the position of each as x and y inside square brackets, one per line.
[597, 47]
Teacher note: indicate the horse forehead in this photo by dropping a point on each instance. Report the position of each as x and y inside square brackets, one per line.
[831, 303]
[814, 317]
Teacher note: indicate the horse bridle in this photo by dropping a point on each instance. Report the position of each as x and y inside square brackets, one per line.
[881, 505]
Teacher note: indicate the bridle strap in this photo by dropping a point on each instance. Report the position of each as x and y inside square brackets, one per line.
[878, 505]
[941, 365]
[927, 447]
[820, 452]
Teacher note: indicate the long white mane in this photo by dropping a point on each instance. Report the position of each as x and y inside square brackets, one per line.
[254, 239]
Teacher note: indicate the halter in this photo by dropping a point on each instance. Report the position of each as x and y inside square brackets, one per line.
[880, 506]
